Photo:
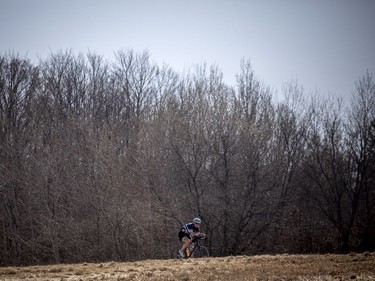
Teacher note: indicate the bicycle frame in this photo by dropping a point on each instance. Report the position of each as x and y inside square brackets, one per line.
[196, 249]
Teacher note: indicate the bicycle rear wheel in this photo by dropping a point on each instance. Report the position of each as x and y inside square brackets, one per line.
[175, 254]
[200, 252]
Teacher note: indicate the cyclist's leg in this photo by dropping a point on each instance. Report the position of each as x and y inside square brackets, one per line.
[186, 242]
[185, 239]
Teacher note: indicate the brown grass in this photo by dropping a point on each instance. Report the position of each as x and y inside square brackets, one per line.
[265, 267]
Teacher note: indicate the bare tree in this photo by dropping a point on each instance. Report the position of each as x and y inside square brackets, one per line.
[242, 137]
[18, 85]
[359, 142]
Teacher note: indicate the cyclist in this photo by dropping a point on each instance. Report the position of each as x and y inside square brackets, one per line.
[187, 233]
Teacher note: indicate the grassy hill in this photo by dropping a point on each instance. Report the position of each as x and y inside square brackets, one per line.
[265, 267]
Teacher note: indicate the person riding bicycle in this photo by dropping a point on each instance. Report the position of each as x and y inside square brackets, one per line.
[187, 233]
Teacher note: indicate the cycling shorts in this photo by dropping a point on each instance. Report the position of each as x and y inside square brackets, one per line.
[183, 234]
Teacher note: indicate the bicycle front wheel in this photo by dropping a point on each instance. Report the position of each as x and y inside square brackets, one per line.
[200, 252]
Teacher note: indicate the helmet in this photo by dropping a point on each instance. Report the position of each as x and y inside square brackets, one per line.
[197, 220]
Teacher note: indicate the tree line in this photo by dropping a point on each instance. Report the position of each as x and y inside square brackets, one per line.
[104, 160]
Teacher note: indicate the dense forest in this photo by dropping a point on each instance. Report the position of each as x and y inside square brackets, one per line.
[104, 160]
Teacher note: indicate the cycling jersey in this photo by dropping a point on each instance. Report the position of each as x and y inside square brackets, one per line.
[187, 230]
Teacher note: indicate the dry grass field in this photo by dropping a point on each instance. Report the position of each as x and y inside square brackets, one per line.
[265, 267]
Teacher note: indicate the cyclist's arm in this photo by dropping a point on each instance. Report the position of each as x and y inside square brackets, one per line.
[195, 234]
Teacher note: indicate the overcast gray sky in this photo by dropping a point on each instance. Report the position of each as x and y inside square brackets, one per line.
[326, 45]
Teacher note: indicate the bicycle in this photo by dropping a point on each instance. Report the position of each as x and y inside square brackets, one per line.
[195, 250]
